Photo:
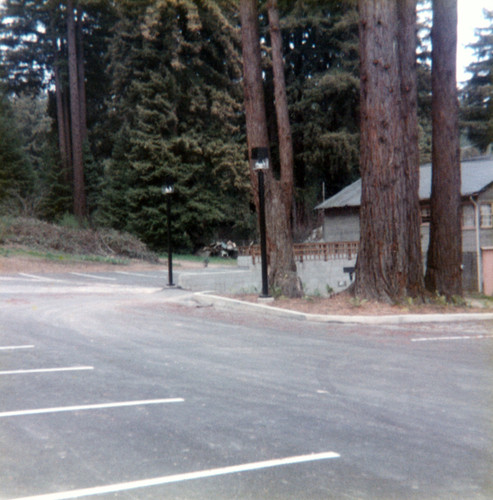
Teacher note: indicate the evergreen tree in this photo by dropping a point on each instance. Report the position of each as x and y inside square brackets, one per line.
[35, 60]
[389, 265]
[176, 111]
[477, 95]
[16, 174]
[444, 258]
[34, 128]
[321, 60]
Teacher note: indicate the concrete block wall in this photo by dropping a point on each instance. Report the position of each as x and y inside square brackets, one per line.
[222, 281]
[318, 276]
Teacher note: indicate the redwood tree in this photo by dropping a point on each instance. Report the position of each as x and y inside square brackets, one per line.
[389, 265]
[77, 130]
[278, 193]
[443, 273]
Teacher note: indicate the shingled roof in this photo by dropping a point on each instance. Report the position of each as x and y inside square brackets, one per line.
[477, 175]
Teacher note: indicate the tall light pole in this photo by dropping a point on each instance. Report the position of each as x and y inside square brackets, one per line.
[261, 157]
[168, 190]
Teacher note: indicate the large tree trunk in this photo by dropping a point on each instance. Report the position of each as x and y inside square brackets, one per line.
[286, 276]
[389, 265]
[63, 131]
[443, 274]
[75, 122]
[81, 77]
[279, 235]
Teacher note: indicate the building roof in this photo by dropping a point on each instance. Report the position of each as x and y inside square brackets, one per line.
[476, 176]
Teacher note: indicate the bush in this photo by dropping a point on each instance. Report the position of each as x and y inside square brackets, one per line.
[40, 235]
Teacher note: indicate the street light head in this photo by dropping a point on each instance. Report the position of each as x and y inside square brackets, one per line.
[167, 189]
[262, 164]
[261, 157]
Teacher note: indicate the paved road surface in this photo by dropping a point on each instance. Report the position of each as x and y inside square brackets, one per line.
[110, 386]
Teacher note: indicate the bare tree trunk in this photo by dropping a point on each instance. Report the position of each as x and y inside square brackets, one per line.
[281, 105]
[389, 261]
[286, 278]
[279, 235]
[67, 130]
[443, 274]
[409, 117]
[63, 137]
[77, 154]
[81, 75]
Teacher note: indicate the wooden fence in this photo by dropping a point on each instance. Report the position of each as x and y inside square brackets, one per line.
[327, 250]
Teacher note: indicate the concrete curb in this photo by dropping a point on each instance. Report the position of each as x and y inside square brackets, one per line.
[208, 299]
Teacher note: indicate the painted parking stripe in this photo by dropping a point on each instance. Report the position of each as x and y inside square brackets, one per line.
[133, 274]
[158, 481]
[455, 337]
[12, 278]
[42, 278]
[47, 370]
[121, 404]
[94, 276]
[14, 347]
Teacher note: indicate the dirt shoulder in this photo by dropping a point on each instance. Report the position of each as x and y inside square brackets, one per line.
[27, 264]
[346, 305]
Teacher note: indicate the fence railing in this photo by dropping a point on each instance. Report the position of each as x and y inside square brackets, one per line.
[327, 250]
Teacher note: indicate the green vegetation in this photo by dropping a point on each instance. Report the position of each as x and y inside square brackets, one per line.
[164, 102]
[59, 256]
[35, 238]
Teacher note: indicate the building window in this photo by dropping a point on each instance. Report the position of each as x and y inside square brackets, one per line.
[486, 215]
[468, 217]
[425, 215]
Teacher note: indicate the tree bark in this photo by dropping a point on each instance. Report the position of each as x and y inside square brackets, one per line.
[286, 276]
[279, 235]
[281, 105]
[75, 122]
[81, 78]
[63, 137]
[443, 274]
[389, 265]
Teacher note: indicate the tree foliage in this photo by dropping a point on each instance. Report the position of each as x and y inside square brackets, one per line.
[176, 114]
[17, 177]
[477, 95]
[321, 60]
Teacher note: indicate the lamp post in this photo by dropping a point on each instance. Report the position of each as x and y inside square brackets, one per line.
[261, 157]
[168, 190]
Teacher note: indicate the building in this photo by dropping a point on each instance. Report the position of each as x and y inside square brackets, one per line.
[341, 218]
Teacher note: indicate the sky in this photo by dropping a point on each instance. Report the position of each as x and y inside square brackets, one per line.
[470, 16]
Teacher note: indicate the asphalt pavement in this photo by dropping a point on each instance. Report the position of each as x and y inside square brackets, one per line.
[115, 386]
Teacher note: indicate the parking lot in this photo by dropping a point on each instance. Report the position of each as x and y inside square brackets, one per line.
[113, 387]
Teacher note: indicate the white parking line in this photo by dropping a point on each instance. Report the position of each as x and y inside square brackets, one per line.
[47, 370]
[13, 347]
[455, 337]
[133, 274]
[157, 481]
[21, 413]
[94, 276]
[42, 278]
[14, 278]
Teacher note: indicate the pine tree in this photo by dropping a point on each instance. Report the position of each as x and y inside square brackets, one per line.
[477, 95]
[176, 109]
[16, 175]
[322, 64]
[34, 33]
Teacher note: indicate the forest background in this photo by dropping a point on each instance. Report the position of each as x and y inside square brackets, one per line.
[160, 88]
